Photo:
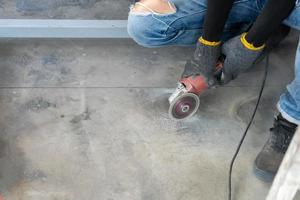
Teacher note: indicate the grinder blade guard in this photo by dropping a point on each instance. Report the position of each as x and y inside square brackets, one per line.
[184, 102]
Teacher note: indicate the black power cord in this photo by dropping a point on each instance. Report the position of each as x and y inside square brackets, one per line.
[247, 128]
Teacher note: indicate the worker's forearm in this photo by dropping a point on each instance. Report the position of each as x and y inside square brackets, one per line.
[269, 20]
[215, 18]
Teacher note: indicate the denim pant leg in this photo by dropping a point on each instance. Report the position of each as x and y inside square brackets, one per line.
[289, 103]
[184, 26]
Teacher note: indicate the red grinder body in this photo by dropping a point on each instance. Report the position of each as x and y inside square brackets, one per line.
[195, 84]
[184, 102]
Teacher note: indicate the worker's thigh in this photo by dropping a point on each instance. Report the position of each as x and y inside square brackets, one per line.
[183, 25]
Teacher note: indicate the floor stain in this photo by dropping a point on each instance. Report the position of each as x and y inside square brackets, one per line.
[2, 148]
[50, 59]
[86, 115]
[32, 175]
[52, 66]
[22, 60]
[39, 104]
[12, 164]
[38, 6]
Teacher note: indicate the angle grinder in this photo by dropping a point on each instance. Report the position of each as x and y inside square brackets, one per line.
[184, 101]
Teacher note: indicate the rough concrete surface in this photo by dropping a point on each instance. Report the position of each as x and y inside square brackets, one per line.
[87, 119]
[64, 9]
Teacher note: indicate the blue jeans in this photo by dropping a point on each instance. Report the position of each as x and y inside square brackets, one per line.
[184, 27]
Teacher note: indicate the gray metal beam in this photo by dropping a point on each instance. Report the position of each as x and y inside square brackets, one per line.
[31, 28]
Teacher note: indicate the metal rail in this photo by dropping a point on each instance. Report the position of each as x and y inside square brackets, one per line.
[32, 28]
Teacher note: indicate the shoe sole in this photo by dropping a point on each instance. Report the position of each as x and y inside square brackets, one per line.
[263, 175]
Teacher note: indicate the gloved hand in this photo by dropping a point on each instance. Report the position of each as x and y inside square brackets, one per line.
[240, 56]
[203, 61]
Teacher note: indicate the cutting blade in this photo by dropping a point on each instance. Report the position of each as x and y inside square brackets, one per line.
[184, 106]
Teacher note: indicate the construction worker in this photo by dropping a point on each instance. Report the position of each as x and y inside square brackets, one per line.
[222, 27]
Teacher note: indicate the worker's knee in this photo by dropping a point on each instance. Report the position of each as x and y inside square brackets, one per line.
[140, 30]
[294, 20]
[147, 25]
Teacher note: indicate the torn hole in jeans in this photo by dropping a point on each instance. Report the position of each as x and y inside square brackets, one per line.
[149, 7]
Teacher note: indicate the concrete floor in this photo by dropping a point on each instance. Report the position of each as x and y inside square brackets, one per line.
[65, 9]
[87, 119]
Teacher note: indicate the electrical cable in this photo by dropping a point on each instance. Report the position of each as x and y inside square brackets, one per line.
[247, 128]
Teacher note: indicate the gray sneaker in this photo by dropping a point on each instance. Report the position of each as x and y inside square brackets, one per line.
[268, 160]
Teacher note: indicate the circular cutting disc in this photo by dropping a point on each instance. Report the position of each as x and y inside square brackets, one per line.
[184, 106]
